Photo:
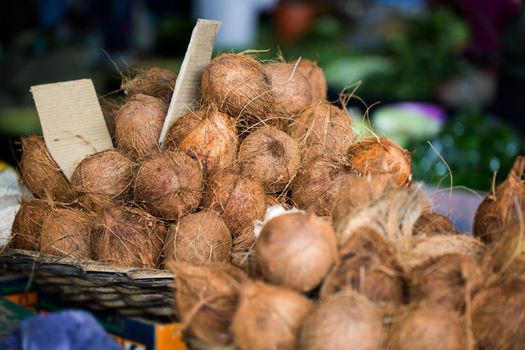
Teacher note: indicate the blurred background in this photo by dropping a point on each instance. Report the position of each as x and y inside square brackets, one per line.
[446, 79]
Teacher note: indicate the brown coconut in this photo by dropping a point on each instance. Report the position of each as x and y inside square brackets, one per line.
[315, 76]
[206, 298]
[169, 184]
[498, 317]
[243, 251]
[433, 224]
[268, 317]
[238, 198]
[502, 205]
[380, 155]
[199, 238]
[272, 156]
[206, 135]
[27, 225]
[427, 326]
[156, 82]
[41, 174]
[110, 109]
[317, 184]
[296, 251]
[322, 129]
[129, 237]
[67, 232]
[367, 265]
[240, 87]
[449, 280]
[290, 87]
[343, 320]
[139, 123]
[102, 178]
[507, 255]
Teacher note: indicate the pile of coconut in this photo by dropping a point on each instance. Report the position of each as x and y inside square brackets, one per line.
[281, 230]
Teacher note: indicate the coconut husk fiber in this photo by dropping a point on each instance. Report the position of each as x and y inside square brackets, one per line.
[41, 174]
[243, 251]
[206, 298]
[27, 225]
[268, 317]
[198, 238]
[432, 224]
[315, 76]
[128, 236]
[508, 252]
[504, 204]
[110, 109]
[156, 82]
[67, 232]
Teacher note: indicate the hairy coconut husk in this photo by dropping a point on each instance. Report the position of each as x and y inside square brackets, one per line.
[199, 238]
[367, 265]
[110, 109]
[322, 129]
[139, 123]
[128, 236]
[498, 316]
[243, 251]
[504, 204]
[507, 255]
[296, 251]
[427, 326]
[316, 185]
[169, 184]
[433, 224]
[315, 76]
[239, 199]
[206, 298]
[272, 156]
[343, 320]
[27, 225]
[103, 177]
[448, 280]
[156, 82]
[67, 232]
[268, 317]
[41, 174]
[240, 87]
[419, 249]
[290, 87]
[212, 141]
[380, 155]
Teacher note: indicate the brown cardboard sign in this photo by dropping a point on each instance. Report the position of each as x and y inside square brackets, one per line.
[187, 87]
[72, 121]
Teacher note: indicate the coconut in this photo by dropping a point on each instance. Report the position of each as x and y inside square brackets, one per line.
[448, 280]
[103, 177]
[156, 82]
[341, 321]
[169, 184]
[243, 251]
[296, 251]
[239, 199]
[206, 298]
[315, 76]
[498, 316]
[433, 224]
[206, 135]
[427, 326]
[380, 155]
[110, 109]
[129, 237]
[322, 129]
[290, 87]
[368, 265]
[67, 232]
[272, 156]
[41, 174]
[268, 317]
[318, 182]
[27, 225]
[502, 205]
[507, 255]
[198, 238]
[240, 87]
[139, 123]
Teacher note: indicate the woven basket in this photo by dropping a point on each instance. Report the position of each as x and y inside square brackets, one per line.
[97, 286]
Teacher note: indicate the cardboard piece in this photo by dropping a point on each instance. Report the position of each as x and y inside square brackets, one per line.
[72, 121]
[187, 87]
